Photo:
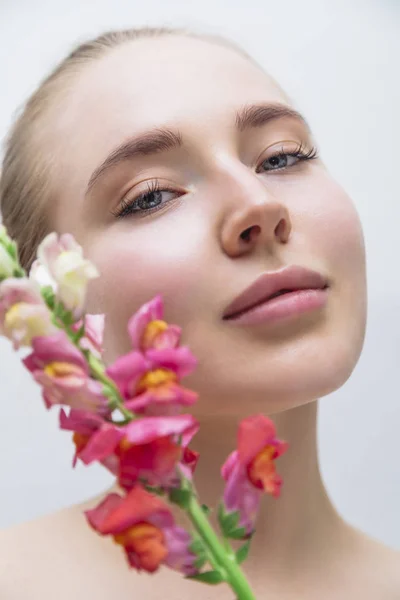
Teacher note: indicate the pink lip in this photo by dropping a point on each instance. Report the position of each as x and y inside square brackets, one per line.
[268, 284]
[281, 307]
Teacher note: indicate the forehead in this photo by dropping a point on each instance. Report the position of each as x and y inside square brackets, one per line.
[152, 81]
[177, 81]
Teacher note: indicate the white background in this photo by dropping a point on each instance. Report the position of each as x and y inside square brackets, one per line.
[339, 62]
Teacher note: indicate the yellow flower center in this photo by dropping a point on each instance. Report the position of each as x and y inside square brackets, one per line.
[262, 467]
[154, 379]
[26, 318]
[13, 315]
[147, 542]
[62, 369]
[80, 440]
[153, 329]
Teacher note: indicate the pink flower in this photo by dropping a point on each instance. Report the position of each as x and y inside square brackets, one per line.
[63, 259]
[249, 471]
[148, 330]
[152, 449]
[144, 526]
[60, 368]
[94, 330]
[149, 448]
[149, 382]
[23, 313]
[85, 424]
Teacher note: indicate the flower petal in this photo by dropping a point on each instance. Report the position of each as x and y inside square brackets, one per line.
[255, 433]
[142, 431]
[180, 360]
[115, 514]
[179, 556]
[127, 370]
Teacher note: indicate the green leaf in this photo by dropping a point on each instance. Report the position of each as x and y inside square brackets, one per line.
[197, 546]
[158, 491]
[228, 521]
[231, 520]
[211, 577]
[12, 250]
[237, 534]
[200, 562]
[206, 509]
[48, 296]
[18, 272]
[79, 334]
[68, 317]
[243, 552]
[180, 497]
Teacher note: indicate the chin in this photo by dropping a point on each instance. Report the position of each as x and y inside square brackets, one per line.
[271, 382]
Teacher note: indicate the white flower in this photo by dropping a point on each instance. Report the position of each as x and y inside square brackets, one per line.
[40, 275]
[23, 314]
[68, 272]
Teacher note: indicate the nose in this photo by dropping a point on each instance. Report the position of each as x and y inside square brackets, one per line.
[257, 220]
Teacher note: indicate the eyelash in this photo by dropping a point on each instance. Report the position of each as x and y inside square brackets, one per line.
[127, 207]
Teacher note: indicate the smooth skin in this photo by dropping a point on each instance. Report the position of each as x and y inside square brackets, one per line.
[192, 251]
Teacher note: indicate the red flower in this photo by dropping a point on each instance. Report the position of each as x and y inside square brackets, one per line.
[86, 427]
[144, 526]
[250, 470]
[150, 448]
[153, 447]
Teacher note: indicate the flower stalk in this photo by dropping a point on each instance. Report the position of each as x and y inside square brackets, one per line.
[148, 451]
[224, 560]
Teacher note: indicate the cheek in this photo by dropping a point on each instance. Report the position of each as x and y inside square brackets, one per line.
[342, 233]
[137, 265]
[331, 231]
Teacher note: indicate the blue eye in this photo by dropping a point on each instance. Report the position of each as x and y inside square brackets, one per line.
[279, 160]
[151, 201]
[146, 203]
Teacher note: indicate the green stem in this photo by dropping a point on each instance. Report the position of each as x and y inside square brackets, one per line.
[97, 370]
[226, 560]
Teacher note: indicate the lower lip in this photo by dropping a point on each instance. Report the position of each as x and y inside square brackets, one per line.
[280, 307]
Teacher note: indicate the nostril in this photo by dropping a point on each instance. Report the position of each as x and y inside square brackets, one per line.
[245, 235]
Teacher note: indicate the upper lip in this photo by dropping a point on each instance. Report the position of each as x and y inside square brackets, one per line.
[267, 284]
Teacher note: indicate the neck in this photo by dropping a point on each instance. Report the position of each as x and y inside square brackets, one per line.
[295, 532]
[302, 522]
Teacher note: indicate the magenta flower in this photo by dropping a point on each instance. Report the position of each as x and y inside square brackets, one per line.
[249, 471]
[149, 383]
[85, 424]
[61, 369]
[144, 526]
[147, 328]
[149, 448]
[152, 449]
[23, 313]
[94, 331]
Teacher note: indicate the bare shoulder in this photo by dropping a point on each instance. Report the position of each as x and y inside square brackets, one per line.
[383, 562]
[30, 551]
[58, 555]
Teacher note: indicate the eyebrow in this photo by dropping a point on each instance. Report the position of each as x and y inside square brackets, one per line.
[162, 139]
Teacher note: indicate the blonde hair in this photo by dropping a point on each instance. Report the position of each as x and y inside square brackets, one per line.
[26, 186]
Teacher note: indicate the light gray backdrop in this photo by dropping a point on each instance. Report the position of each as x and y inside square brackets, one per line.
[339, 61]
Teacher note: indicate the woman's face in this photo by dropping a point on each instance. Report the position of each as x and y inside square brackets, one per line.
[216, 184]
